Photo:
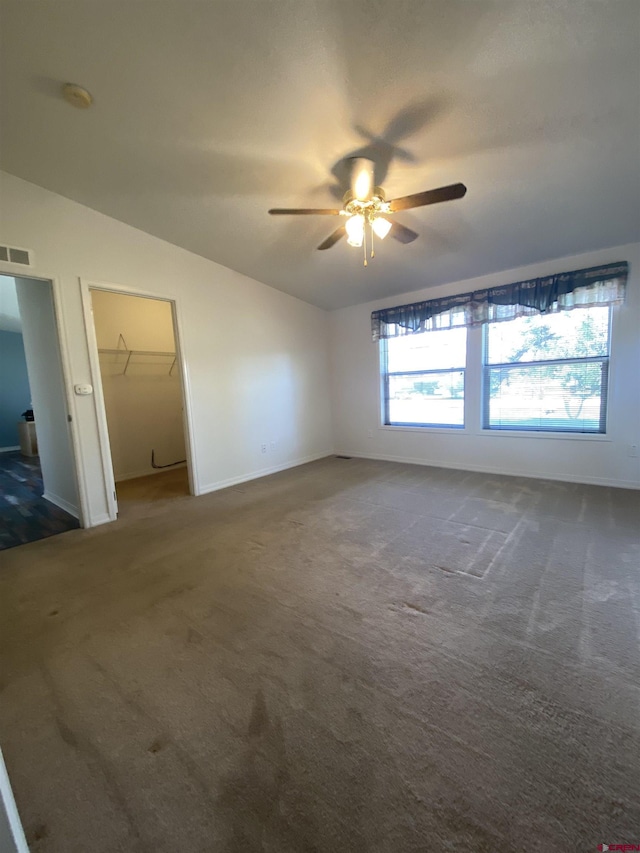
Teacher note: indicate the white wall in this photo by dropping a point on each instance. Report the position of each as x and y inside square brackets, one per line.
[255, 359]
[48, 394]
[144, 405]
[589, 459]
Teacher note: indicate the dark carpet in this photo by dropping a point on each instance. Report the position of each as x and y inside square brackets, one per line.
[350, 656]
[25, 516]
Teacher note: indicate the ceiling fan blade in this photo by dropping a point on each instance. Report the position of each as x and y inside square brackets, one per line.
[428, 197]
[303, 211]
[332, 239]
[402, 233]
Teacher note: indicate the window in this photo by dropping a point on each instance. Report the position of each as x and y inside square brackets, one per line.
[538, 354]
[548, 372]
[423, 378]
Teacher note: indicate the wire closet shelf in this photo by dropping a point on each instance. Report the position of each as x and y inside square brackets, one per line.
[132, 354]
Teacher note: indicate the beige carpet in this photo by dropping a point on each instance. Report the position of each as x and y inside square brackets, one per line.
[348, 656]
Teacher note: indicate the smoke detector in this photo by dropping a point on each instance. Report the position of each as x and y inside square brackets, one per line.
[77, 96]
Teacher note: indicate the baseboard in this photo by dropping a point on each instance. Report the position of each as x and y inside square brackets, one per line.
[264, 472]
[60, 502]
[133, 475]
[487, 469]
[9, 449]
[96, 521]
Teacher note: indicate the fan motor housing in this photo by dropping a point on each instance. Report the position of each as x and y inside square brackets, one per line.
[376, 204]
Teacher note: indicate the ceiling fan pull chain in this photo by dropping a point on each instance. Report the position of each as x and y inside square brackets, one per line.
[364, 244]
[373, 254]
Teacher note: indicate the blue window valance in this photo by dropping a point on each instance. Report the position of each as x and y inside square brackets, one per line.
[604, 285]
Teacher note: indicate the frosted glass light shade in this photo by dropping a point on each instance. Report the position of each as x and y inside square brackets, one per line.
[381, 227]
[355, 230]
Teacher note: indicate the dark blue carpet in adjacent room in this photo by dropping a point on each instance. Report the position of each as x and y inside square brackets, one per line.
[25, 515]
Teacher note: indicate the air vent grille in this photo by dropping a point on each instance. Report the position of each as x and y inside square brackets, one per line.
[15, 256]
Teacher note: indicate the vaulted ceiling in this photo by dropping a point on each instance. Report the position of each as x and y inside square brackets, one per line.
[208, 113]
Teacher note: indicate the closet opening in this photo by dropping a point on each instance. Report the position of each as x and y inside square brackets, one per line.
[145, 423]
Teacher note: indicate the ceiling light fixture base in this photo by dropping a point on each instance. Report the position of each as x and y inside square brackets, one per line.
[77, 96]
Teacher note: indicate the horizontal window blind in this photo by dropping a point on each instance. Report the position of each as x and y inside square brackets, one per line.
[423, 379]
[560, 396]
[548, 373]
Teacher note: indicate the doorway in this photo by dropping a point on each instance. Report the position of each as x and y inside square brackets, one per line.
[38, 487]
[138, 357]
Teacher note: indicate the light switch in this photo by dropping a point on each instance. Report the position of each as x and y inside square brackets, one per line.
[83, 390]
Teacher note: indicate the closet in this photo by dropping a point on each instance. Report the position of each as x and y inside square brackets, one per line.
[140, 383]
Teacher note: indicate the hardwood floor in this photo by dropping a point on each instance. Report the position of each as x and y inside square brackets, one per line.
[25, 516]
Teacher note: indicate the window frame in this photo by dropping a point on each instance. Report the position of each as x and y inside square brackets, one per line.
[485, 400]
[384, 390]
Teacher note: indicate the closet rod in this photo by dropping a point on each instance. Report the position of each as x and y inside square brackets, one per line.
[135, 352]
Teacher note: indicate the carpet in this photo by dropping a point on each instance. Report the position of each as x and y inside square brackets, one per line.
[351, 655]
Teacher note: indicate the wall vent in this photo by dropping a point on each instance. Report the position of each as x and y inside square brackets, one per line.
[15, 256]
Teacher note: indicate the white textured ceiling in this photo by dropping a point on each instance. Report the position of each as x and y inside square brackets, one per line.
[208, 113]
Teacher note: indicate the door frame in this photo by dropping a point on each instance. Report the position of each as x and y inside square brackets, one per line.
[9, 270]
[86, 286]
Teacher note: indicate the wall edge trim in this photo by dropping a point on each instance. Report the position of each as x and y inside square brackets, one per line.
[11, 810]
[120, 478]
[60, 502]
[265, 472]
[103, 518]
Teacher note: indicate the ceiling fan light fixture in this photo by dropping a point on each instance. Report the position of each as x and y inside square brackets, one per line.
[365, 204]
[362, 178]
[381, 227]
[355, 230]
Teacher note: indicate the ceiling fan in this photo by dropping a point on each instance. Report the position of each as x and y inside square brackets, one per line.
[366, 205]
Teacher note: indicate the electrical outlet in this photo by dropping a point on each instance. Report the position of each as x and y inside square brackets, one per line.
[369, 433]
[263, 448]
[273, 445]
[633, 450]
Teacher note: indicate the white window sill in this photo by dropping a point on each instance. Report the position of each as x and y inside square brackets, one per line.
[437, 429]
[500, 433]
[562, 436]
